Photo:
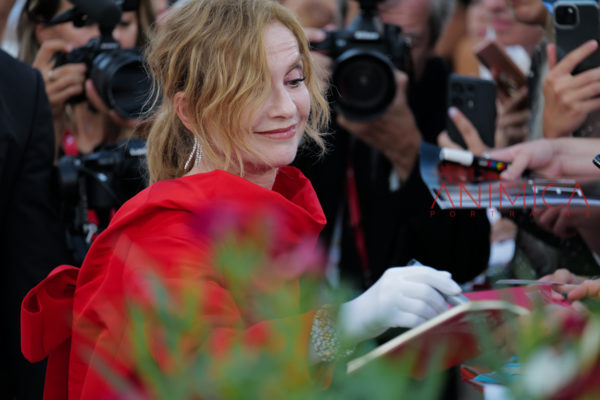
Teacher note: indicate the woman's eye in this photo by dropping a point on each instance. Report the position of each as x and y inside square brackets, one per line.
[124, 24]
[296, 82]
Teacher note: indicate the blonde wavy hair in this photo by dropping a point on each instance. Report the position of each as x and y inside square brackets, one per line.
[212, 51]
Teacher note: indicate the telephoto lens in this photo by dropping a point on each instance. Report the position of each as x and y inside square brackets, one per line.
[122, 81]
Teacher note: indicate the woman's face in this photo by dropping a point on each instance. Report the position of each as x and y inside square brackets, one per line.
[72, 35]
[125, 32]
[278, 124]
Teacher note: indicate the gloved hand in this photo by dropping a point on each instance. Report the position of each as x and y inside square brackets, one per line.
[402, 297]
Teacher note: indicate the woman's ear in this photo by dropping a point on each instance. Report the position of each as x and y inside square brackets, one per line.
[181, 108]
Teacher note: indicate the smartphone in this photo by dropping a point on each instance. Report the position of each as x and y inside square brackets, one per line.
[476, 99]
[596, 160]
[508, 76]
[576, 22]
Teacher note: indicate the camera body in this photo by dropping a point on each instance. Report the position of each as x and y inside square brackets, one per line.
[93, 186]
[118, 75]
[365, 55]
[106, 178]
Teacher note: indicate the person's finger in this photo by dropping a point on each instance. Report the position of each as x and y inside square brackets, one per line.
[563, 226]
[441, 282]
[586, 92]
[94, 98]
[65, 76]
[516, 134]
[403, 319]
[575, 57]
[444, 140]
[583, 79]
[44, 57]
[560, 275]
[588, 106]
[468, 131]
[425, 294]
[420, 307]
[514, 118]
[586, 289]
[518, 164]
[62, 95]
[551, 55]
[515, 101]
[314, 34]
[546, 218]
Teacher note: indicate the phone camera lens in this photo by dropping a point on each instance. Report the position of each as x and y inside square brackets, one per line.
[457, 87]
[457, 101]
[566, 15]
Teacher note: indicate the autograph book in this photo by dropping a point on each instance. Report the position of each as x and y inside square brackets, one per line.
[453, 334]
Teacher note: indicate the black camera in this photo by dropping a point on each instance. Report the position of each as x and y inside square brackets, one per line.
[105, 178]
[365, 55]
[101, 182]
[118, 75]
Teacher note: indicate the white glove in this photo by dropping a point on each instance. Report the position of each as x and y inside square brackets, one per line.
[402, 297]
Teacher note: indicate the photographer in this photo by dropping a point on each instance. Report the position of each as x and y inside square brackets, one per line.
[87, 62]
[82, 126]
[386, 219]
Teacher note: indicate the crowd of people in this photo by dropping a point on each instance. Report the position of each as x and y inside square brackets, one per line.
[240, 116]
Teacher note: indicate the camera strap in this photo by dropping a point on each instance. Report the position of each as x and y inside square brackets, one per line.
[355, 217]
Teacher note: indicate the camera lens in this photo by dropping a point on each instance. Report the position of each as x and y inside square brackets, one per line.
[566, 15]
[364, 84]
[122, 81]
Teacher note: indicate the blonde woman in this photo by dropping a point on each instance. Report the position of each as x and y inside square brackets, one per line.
[239, 94]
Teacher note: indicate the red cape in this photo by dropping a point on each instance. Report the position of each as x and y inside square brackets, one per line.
[170, 229]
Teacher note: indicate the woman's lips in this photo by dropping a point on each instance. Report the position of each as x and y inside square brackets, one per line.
[281, 133]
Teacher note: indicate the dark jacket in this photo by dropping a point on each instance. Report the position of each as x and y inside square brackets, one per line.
[31, 241]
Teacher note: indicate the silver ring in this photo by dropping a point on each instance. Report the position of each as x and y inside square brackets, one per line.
[51, 75]
[486, 154]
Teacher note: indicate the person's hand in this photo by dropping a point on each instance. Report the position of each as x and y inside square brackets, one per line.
[395, 133]
[538, 155]
[322, 62]
[567, 278]
[566, 222]
[469, 134]
[531, 12]
[503, 229]
[402, 297]
[61, 82]
[569, 98]
[96, 101]
[513, 118]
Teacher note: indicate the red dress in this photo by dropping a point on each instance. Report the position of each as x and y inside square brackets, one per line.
[169, 229]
